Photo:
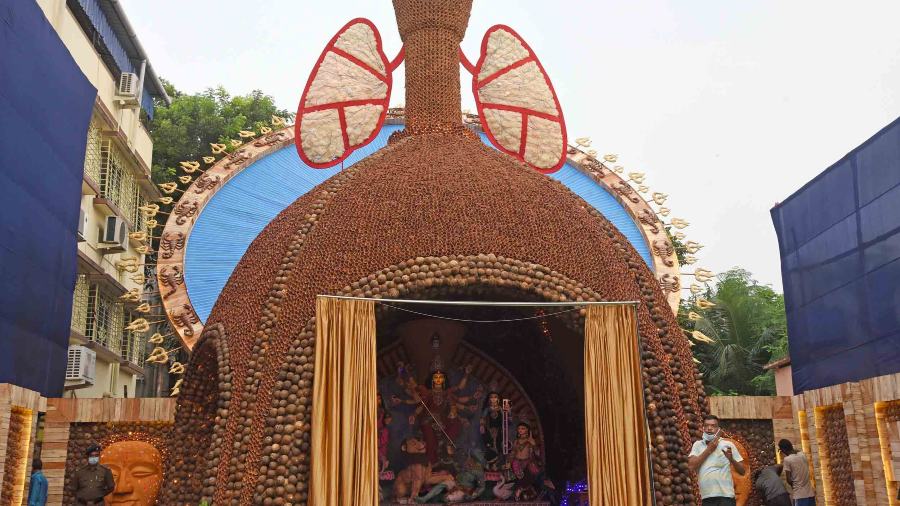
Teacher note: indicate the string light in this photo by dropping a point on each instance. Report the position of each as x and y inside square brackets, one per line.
[579, 487]
[543, 324]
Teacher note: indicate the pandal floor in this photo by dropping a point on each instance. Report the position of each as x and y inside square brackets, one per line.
[481, 503]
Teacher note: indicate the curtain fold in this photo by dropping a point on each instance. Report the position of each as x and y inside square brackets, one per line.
[344, 463]
[615, 423]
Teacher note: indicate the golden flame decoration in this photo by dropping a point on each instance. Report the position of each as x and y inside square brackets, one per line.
[703, 338]
[618, 168]
[583, 141]
[611, 157]
[679, 235]
[705, 304]
[659, 198]
[637, 177]
[664, 211]
[689, 260]
[143, 308]
[643, 188]
[156, 338]
[144, 250]
[694, 316]
[209, 159]
[246, 134]
[138, 236]
[149, 210]
[158, 356]
[692, 246]
[176, 368]
[165, 200]
[139, 278]
[138, 325]
[680, 223]
[132, 295]
[190, 167]
[235, 143]
[185, 179]
[278, 121]
[168, 188]
[217, 149]
[177, 388]
[129, 264]
[151, 224]
[695, 288]
[265, 130]
[703, 275]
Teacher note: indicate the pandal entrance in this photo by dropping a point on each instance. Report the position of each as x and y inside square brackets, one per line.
[477, 402]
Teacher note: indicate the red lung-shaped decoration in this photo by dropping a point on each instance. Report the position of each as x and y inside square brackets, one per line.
[516, 101]
[346, 98]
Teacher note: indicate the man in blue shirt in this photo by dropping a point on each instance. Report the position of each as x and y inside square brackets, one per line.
[37, 493]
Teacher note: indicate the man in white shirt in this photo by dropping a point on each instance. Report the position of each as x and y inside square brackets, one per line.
[712, 460]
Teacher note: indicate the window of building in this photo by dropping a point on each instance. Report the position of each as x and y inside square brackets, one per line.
[92, 154]
[104, 320]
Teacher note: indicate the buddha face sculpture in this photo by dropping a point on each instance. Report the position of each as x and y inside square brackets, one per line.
[137, 469]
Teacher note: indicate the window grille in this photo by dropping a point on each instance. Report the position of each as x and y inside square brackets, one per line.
[92, 156]
[117, 183]
[132, 349]
[105, 319]
[80, 305]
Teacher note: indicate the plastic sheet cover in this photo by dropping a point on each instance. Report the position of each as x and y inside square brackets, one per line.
[839, 238]
[45, 108]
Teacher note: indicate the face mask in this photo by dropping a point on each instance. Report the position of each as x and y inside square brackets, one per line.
[93, 460]
[709, 437]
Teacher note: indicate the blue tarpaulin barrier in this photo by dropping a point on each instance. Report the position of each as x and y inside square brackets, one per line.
[839, 238]
[45, 109]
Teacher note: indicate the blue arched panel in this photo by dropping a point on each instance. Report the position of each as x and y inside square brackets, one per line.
[239, 211]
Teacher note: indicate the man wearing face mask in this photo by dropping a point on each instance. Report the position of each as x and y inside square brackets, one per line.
[93, 482]
[712, 459]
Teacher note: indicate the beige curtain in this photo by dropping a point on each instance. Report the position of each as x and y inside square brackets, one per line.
[344, 446]
[614, 421]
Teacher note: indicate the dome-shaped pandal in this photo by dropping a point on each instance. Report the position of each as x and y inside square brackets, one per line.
[434, 210]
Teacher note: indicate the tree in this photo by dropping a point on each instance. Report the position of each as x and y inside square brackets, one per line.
[184, 130]
[748, 329]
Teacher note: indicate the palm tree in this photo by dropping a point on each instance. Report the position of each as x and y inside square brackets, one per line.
[747, 328]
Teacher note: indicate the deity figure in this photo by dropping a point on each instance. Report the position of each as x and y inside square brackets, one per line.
[491, 428]
[384, 420]
[137, 470]
[525, 461]
[433, 410]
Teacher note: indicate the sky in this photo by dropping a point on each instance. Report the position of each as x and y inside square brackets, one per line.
[727, 106]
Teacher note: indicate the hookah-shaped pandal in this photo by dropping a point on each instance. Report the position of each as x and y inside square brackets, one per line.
[434, 198]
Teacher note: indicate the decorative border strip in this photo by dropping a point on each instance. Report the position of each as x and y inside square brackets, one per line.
[173, 241]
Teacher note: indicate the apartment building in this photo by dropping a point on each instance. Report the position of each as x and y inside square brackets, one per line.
[115, 184]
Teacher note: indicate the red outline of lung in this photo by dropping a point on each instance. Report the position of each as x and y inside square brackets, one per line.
[303, 109]
[525, 112]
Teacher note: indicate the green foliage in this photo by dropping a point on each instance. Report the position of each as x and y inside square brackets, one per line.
[749, 330]
[184, 130]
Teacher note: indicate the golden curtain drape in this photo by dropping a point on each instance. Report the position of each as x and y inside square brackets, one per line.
[344, 446]
[615, 424]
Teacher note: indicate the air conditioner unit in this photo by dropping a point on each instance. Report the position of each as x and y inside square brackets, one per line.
[82, 224]
[128, 85]
[129, 90]
[81, 367]
[115, 235]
